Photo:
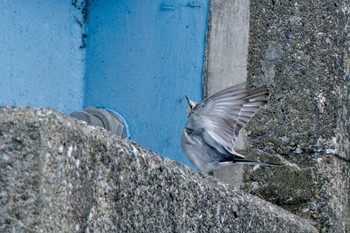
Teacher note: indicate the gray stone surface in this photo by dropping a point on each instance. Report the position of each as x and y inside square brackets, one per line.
[60, 175]
[227, 45]
[226, 61]
[300, 48]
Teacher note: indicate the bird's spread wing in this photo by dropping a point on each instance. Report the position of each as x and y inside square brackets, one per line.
[225, 113]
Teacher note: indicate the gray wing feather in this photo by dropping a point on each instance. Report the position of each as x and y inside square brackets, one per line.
[224, 114]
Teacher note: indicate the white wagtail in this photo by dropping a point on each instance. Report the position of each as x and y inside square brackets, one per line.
[213, 126]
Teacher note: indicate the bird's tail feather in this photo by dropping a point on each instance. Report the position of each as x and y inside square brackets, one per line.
[252, 162]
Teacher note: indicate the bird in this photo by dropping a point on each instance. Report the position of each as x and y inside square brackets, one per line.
[213, 126]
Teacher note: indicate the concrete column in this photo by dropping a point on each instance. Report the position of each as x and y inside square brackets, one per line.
[226, 60]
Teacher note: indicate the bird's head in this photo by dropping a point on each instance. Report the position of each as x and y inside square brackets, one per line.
[191, 106]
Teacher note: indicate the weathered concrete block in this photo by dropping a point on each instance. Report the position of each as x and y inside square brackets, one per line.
[226, 61]
[300, 48]
[60, 175]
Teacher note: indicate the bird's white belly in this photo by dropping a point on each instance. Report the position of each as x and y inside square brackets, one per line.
[194, 150]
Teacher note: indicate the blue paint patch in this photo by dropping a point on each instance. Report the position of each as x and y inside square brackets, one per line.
[142, 58]
[41, 64]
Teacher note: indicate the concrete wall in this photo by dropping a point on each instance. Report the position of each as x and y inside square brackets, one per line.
[59, 175]
[301, 49]
[41, 63]
[226, 61]
[143, 57]
[227, 45]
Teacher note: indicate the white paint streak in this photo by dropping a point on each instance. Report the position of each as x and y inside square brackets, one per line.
[321, 100]
[334, 150]
[70, 151]
[60, 149]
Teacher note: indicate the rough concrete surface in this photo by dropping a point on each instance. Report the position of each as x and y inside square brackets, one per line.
[300, 49]
[226, 61]
[227, 45]
[60, 175]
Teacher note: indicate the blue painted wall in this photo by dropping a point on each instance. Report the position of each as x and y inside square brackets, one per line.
[143, 57]
[40, 61]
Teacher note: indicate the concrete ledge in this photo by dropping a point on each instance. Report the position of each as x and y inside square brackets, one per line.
[60, 175]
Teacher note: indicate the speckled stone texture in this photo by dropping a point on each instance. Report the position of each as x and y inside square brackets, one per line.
[301, 50]
[60, 175]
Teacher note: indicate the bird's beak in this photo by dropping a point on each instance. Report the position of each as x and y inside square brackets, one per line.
[188, 100]
[191, 104]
